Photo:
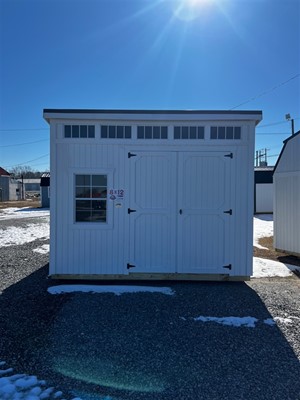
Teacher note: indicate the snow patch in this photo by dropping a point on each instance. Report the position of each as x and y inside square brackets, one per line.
[26, 212]
[248, 322]
[117, 290]
[262, 228]
[44, 249]
[25, 387]
[30, 233]
[264, 268]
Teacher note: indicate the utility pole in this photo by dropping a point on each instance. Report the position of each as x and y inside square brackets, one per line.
[288, 118]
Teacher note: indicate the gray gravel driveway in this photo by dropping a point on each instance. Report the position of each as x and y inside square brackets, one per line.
[148, 345]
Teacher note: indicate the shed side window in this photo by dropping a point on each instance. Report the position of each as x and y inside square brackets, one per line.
[152, 132]
[79, 131]
[115, 132]
[90, 198]
[225, 132]
[188, 132]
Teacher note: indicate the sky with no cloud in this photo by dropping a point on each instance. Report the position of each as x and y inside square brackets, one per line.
[145, 54]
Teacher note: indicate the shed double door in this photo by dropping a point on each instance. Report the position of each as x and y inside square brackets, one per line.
[180, 212]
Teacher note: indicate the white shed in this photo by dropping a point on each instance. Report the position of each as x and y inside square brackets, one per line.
[144, 194]
[286, 180]
[263, 190]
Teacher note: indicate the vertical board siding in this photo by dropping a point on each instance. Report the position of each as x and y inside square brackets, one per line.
[287, 198]
[95, 250]
[264, 198]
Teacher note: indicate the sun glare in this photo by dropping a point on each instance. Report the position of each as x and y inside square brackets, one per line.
[189, 10]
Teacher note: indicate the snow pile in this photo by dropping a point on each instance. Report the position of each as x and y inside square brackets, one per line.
[263, 268]
[19, 213]
[25, 387]
[20, 235]
[44, 249]
[262, 228]
[248, 322]
[117, 290]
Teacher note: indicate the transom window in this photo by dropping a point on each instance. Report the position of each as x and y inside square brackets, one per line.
[80, 131]
[188, 132]
[225, 132]
[152, 132]
[91, 198]
[115, 132]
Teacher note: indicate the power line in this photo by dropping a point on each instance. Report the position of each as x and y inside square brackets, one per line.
[26, 162]
[272, 133]
[22, 144]
[266, 92]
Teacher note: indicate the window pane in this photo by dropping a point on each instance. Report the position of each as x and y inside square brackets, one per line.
[112, 132]
[229, 132]
[164, 132]
[200, 132]
[67, 131]
[193, 132]
[99, 192]
[237, 132]
[221, 132]
[176, 132]
[185, 132]
[83, 216]
[99, 180]
[98, 216]
[83, 205]
[98, 205]
[83, 180]
[83, 192]
[91, 131]
[104, 131]
[120, 132]
[83, 131]
[140, 132]
[75, 131]
[156, 132]
[213, 132]
[127, 132]
[148, 132]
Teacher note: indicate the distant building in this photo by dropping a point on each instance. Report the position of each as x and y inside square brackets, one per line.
[263, 189]
[10, 188]
[45, 190]
[31, 186]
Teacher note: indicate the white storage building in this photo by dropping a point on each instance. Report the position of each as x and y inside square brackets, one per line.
[286, 180]
[263, 190]
[144, 194]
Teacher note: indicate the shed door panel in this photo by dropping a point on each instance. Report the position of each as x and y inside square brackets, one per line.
[153, 224]
[203, 227]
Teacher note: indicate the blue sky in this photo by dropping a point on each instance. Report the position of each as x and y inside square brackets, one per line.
[144, 54]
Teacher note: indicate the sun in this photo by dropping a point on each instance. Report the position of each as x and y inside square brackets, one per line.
[189, 10]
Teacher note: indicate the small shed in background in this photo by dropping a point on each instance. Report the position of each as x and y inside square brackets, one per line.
[263, 189]
[286, 180]
[45, 190]
[10, 188]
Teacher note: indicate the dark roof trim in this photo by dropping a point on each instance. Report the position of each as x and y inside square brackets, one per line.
[284, 146]
[94, 111]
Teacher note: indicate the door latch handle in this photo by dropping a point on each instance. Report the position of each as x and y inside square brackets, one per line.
[130, 210]
[180, 211]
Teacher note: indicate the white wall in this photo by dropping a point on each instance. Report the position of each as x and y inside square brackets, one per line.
[287, 198]
[264, 198]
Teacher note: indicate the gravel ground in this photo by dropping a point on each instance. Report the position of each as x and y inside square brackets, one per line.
[148, 346]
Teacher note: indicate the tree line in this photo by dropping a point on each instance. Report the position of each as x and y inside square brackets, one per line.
[26, 172]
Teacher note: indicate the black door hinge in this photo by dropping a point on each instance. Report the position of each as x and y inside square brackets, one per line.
[130, 266]
[228, 212]
[230, 155]
[131, 155]
[227, 266]
[130, 210]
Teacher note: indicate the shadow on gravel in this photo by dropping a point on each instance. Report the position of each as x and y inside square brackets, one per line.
[147, 346]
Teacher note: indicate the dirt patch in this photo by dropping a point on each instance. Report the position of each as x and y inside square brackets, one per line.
[272, 254]
[20, 204]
